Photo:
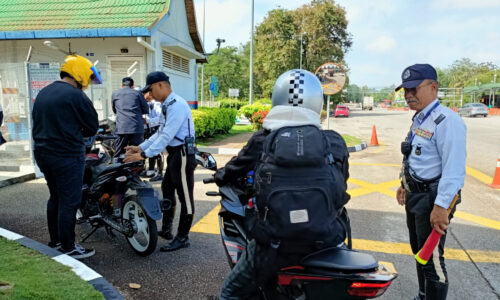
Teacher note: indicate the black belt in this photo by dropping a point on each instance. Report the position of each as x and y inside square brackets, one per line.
[172, 149]
[422, 187]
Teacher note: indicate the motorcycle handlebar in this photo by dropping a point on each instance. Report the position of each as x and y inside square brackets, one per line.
[208, 180]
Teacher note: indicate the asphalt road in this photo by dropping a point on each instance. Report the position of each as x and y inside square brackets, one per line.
[378, 223]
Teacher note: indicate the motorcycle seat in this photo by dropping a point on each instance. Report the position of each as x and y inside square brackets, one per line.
[104, 168]
[340, 259]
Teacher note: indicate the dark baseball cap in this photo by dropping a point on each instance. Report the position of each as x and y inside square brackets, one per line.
[127, 81]
[154, 77]
[414, 75]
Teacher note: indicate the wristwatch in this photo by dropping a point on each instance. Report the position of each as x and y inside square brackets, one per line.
[143, 155]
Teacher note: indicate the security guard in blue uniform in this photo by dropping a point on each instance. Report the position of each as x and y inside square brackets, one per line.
[177, 135]
[433, 172]
[129, 105]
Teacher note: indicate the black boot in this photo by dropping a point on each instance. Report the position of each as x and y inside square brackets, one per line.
[182, 238]
[435, 290]
[166, 227]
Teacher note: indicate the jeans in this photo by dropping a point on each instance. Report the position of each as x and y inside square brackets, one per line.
[64, 176]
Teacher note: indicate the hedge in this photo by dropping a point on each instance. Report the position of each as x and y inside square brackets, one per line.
[250, 109]
[211, 120]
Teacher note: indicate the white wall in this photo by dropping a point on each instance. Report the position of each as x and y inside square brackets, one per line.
[175, 29]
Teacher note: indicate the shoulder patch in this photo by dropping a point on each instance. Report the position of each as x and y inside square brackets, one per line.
[439, 119]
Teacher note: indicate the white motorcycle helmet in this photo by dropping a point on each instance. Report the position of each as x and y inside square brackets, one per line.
[298, 88]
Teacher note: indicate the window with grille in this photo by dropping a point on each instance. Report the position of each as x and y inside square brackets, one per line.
[175, 62]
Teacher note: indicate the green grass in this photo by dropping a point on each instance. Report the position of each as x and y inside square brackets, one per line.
[236, 129]
[351, 140]
[36, 276]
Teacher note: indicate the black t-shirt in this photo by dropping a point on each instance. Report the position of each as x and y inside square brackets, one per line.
[62, 116]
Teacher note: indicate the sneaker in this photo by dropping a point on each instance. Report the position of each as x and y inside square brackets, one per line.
[55, 245]
[158, 177]
[176, 244]
[80, 252]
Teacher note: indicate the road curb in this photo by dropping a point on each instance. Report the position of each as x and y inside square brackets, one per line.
[358, 147]
[83, 271]
[234, 151]
[19, 179]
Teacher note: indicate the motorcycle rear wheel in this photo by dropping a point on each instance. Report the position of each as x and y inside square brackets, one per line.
[145, 236]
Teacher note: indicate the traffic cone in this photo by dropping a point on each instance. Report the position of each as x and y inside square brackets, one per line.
[374, 141]
[496, 179]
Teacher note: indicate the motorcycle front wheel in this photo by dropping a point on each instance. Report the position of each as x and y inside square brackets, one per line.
[145, 236]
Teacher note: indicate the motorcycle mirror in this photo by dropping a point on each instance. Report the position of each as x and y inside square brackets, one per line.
[206, 160]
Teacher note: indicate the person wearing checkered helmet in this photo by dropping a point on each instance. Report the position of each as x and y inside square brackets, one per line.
[297, 100]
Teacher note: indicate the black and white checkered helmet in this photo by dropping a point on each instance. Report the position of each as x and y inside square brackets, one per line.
[298, 88]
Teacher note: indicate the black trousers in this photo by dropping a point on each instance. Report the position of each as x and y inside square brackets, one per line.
[64, 176]
[255, 269]
[418, 210]
[179, 178]
[123, 140]
[158, 159]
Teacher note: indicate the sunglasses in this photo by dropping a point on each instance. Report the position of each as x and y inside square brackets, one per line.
[415, 89]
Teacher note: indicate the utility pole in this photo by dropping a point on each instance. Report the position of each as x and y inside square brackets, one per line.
[250, 94]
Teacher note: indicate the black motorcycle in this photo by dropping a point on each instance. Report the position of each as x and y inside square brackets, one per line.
[114, 197]
[331, 273]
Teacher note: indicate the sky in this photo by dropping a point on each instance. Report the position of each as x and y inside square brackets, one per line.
[387, 35]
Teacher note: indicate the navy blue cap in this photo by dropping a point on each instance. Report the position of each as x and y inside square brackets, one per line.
[154, 77]
[414, 75]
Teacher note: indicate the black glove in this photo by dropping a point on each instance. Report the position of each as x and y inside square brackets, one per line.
[219, 177]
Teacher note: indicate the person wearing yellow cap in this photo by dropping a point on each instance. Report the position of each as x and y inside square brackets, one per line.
[62, 116]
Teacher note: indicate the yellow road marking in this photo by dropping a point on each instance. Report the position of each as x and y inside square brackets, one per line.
[478, 175]
[209, 223]
[478, 220]
[367, 187]
[404, 249]
[388, 266]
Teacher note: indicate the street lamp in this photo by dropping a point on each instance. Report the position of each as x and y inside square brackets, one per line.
[219, 41]
[53, 46]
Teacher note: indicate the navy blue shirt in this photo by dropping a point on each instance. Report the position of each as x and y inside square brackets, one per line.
[62, 116]
[129, 105]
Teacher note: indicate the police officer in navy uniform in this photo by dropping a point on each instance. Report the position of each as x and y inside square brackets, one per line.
[177, 135]
[433, 172]
[129, 105]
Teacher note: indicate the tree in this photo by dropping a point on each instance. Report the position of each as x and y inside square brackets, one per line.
[322, 25]
[228, 66]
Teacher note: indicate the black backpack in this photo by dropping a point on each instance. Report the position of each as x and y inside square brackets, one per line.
[300, 187]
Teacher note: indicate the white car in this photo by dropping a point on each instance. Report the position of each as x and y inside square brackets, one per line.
[473, 110]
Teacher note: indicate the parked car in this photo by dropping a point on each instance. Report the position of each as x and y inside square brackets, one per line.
[341, 110]
[473, 110]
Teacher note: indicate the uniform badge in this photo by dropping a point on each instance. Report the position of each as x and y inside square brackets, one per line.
[424, 133]
[418, 150]
[406, 74]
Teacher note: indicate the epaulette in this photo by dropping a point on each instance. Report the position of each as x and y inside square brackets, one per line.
[439, 119]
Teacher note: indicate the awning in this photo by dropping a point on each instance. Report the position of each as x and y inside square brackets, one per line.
[481, 88]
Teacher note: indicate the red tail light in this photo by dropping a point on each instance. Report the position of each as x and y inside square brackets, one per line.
[285, 279]
[368, 290]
